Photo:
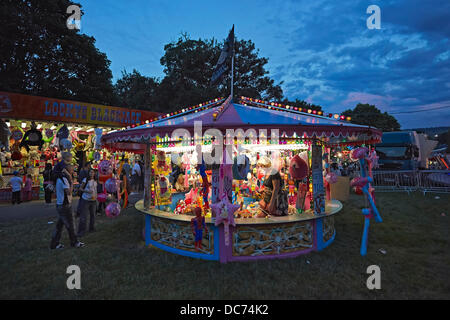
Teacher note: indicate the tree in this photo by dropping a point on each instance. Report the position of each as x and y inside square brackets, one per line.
[134, 90]
[369, 115]
[40, 55]
[189, 64]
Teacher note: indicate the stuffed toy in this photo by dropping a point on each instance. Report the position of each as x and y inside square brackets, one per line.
[5, 133]
[198, 225]
[98, 138]
[32, 137]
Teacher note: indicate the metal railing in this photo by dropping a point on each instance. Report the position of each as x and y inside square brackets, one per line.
[411, 180]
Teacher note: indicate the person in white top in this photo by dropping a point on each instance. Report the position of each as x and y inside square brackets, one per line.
[88, 203]
[64, 187]
[135, 176]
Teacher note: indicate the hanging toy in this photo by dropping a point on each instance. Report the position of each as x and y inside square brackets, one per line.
[5, 133]
[104, 170]
[198, 225]
[241, 166]
[98, 138]
[48, 135]
[298, 169]
[32, 137]
[364, 182]
[224, 213]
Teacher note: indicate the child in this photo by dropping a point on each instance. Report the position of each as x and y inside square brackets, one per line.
[16, 186]
[27, 189]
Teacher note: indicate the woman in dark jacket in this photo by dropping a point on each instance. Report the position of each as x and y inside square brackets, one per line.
[48, 184]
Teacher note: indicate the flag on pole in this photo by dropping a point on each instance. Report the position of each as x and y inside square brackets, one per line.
[222, 66]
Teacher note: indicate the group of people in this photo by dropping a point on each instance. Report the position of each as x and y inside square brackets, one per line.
[22, 188]
[134, 174]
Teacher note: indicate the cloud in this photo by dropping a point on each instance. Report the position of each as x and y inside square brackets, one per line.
[405, 65]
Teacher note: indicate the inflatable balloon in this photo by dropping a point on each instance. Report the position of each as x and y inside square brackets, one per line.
[111, 185]
[112, 210]
[298, 168]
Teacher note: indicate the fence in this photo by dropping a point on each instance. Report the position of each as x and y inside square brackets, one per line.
[412, 180]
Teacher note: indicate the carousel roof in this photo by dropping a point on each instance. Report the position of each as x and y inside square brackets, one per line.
[248, 114]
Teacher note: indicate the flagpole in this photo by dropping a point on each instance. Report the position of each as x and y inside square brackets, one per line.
[232, 68]
[232, 74]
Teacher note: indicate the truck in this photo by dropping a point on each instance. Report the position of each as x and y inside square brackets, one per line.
[404, 150]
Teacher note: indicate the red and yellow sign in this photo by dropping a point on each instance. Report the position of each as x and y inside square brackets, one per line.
[26, 107]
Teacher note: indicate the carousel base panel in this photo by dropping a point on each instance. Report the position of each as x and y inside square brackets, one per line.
[250, 239]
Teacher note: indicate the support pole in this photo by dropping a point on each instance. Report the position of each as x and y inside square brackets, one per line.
[147, 176]
[317, 179]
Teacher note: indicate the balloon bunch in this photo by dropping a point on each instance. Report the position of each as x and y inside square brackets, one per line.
[366, 158]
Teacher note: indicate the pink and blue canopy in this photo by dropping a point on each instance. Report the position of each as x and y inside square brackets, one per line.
[239, 116]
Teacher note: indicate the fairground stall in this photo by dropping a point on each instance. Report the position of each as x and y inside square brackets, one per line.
[34, 130]
[207, 172]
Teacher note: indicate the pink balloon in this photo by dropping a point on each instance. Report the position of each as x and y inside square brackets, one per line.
[359, 182]
[298, 168]
[331, 177]
[112, 210]
[358, 153]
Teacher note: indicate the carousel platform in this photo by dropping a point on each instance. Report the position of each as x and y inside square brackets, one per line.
[250, 239]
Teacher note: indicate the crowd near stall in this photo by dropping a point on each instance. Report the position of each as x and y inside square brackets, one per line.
[248, 180]
[36, 130]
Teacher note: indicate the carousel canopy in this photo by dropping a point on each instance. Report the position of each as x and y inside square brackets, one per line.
[245, 115]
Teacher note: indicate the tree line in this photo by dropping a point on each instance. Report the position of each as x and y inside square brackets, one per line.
[39, 55]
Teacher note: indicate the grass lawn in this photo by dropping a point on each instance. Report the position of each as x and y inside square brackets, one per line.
[116, 264]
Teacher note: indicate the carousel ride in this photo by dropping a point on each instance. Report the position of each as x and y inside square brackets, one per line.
[209, 172]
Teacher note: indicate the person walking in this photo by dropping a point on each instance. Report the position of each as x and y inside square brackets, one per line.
[48, 184]
[16, 187]
[83, 174]
[64, 187]
[88, 202]
[127, 169]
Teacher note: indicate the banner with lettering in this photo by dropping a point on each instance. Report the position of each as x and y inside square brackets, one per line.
[26, 107]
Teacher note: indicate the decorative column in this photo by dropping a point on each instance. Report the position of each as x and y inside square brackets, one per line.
[317, 179]
[147, 176]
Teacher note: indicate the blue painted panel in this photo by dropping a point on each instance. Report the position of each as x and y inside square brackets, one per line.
[196, 255]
